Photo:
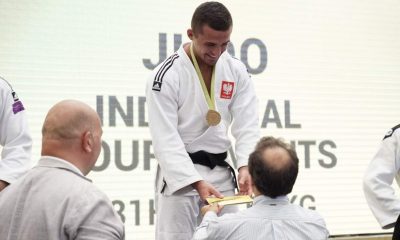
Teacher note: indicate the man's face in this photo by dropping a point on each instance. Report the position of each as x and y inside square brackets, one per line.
[209, 44]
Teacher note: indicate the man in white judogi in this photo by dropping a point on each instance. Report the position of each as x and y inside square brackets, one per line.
[193, 98]
[378, 179]
[14, 136]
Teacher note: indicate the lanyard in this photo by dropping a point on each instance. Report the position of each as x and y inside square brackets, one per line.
[210, 99]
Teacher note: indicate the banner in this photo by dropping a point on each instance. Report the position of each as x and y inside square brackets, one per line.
[326, 73]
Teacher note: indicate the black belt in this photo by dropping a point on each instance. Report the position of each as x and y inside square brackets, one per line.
[213, 159]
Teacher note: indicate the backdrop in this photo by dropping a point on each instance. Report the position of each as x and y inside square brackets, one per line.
[327, 75]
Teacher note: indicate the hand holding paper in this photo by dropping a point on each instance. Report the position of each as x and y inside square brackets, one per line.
[213, 207]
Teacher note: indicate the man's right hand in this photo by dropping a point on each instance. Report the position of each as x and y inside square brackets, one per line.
[206, 190]
[213, 207]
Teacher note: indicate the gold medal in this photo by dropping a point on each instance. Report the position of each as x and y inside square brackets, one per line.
[213, 117]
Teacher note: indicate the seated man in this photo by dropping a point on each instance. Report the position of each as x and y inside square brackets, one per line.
[273, 167]
[55, 200]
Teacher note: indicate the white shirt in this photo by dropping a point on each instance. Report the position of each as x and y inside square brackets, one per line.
[378, 178]
[14, 135]
[177, 112]
[267, 219]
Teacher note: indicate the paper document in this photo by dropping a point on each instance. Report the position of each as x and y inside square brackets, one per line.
[230, 200]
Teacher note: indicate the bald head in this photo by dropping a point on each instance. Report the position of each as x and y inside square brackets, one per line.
[277, 158]
[273, 167]
[68, 119]
[72, 131]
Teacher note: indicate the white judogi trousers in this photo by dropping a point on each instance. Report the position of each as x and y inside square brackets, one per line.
[181, 215]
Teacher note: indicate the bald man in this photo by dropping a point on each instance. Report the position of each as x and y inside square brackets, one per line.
[55, 200]
[273, 167]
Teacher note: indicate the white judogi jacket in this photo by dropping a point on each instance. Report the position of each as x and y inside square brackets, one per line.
[177, 112]
[14, 135]
[381, 172]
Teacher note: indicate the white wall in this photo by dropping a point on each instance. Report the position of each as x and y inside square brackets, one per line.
[333, 64]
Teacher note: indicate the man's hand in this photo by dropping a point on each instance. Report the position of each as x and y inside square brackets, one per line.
[245, 182]
[213, 207]
[3, 185]
[206, 190]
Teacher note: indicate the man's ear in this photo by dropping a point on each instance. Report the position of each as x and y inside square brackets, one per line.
[87, 141]
[190, 33]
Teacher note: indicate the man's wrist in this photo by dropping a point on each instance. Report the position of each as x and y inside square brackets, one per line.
[196, 184]
[209, 208]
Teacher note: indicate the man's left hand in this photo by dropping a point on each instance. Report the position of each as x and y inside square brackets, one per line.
[245, 182]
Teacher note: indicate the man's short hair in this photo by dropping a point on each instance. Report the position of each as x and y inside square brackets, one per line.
[213, 14]
[270, 180]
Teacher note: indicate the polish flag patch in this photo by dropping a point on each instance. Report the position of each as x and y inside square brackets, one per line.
[227, 89]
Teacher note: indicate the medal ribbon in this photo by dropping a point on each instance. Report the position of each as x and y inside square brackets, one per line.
[210, 99]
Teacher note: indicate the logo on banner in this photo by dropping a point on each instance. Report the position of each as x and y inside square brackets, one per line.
[227, 89]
